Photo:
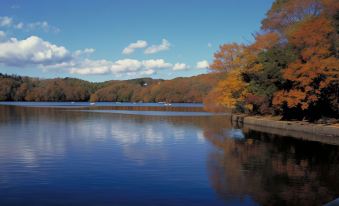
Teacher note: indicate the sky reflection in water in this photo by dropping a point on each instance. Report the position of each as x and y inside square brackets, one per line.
[49, 156]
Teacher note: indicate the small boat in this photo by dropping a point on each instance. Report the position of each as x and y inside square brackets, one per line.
[92, 103]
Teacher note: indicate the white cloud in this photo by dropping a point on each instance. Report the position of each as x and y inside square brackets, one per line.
[126, 65]
[5, 21]
[34, 51]
[122, 66]
[202, 64]
[83, 52]
[180, 66]
[133, 46]
[209, 45]
[165, 45]
[19, 25]
[156, 63]
[88, 66]
[31, 51]
[43, 25]
[148, 72]
[39, 25]
[2, 35]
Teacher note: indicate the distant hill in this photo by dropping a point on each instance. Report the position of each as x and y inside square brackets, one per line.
[182, 89]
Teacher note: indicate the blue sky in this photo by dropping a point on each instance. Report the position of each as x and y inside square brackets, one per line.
[121, 39]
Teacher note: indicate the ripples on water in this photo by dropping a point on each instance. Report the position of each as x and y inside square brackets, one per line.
[63, 156]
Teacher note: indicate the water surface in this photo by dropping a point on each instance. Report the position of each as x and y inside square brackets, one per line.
[65, 156]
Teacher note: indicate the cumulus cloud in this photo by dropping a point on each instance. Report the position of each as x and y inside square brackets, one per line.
[19, 25]
[34, 51]
[2, 35]
[84, 52]
[180, 66]
[133, 46]
[126, 66]
[31, 51]
[165, 45]
[156, 63]
[43, 25]
[5, 21]
[148, 72]
[88, 66]
[202, 64]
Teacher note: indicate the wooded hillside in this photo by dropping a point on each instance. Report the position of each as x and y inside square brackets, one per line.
[183, 89]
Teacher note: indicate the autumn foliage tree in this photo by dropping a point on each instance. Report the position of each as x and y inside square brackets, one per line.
[314, 75]
[291, 68]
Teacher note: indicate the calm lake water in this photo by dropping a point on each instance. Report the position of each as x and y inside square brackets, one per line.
[72, 154]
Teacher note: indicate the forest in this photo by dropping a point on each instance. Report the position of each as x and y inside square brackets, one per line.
[291, 69]
[182, 89]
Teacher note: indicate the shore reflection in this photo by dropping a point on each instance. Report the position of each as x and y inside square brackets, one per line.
[191, 157]
[273, 170]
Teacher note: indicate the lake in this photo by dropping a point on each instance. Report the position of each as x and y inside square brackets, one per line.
[152, 154]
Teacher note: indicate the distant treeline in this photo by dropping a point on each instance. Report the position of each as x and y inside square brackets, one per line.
[188, 89]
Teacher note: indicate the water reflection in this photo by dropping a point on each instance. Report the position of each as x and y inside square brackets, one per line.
[273, 170]
[86, 158]
[49, 130]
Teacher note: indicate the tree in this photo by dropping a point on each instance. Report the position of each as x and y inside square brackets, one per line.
[314, 75]
[228, 57]
[286, 13]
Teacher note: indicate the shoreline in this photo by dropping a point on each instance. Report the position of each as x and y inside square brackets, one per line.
[327, 133]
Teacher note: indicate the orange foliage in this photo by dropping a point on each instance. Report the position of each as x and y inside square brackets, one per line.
[235, 60]
[285, 13]
[316, 69]
[265, 41]
[331, 6]
[228, 57]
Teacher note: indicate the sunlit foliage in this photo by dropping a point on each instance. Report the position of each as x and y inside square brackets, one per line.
[291, 68]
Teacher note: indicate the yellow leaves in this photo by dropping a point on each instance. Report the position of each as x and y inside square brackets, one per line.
[232, 90]
[249, 107]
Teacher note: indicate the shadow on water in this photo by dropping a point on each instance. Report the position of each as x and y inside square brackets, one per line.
[273, 170]
[72, 160]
